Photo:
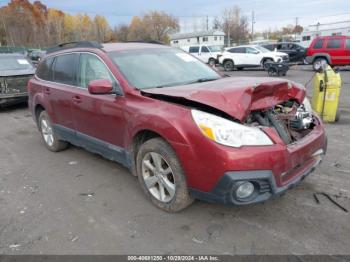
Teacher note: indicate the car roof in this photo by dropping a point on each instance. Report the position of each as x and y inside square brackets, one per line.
[113, 47]
[108, 47]
[243, 46]
[333, 36]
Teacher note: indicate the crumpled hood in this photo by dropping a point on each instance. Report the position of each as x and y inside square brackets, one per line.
[236, 96]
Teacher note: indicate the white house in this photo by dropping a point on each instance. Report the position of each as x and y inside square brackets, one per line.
[211, 37]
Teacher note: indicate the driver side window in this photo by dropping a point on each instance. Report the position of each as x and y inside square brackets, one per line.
[92, 68]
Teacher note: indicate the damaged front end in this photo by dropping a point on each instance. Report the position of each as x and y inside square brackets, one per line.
[291, 120]
[13, 89]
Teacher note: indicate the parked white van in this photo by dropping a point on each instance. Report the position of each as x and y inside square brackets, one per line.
[207, 53]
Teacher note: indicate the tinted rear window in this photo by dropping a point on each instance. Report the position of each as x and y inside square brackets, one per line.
[334, 43]
[318, 44]
[239, 50]
[64, 69]
[194, 49]
[44, 69]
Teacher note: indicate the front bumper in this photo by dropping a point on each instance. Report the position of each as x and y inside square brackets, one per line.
[11, 99]
[263, 181]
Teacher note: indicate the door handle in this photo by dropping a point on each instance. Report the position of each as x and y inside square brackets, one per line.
[76, 99]
[47, 90]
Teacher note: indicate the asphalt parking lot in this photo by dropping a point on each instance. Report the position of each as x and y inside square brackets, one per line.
[75, 202]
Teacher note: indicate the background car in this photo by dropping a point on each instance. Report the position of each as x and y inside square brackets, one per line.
[250, 56]
[333, 50]
[295, 51]
[15, 71]
[207, 53]
[36, 55]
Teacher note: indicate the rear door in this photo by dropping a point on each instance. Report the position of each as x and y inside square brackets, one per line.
[59, 91]
[97, 118]
[335, 47]
[238, 55]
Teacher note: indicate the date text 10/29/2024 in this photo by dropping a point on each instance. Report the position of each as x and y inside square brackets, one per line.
[173, 258]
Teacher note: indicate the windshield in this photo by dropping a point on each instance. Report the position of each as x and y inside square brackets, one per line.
[214, 48]
[262, 49]
[166, 67]
[14, 63]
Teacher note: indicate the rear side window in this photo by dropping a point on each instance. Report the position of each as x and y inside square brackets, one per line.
[64, 69]
[239, 50]
[347, 44]
[44, 69]
[194, 49]
[318, 44]
[334, 43]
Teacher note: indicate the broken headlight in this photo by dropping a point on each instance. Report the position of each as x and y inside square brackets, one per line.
[227, 132]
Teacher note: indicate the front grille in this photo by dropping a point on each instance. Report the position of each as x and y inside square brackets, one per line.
[14, 84]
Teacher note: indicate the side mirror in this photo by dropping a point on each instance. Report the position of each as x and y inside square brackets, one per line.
[100, 87]
[256, 52]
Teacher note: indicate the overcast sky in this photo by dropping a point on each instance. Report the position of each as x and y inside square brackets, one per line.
[268, 13]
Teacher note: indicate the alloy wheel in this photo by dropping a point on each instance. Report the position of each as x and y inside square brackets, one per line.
[47, 132]
[158, 177]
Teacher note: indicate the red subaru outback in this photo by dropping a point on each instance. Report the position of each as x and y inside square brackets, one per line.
[183, 129]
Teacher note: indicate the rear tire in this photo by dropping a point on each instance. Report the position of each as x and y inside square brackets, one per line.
[161, 176]
[228, 65]
[48, 134]
[317, 63]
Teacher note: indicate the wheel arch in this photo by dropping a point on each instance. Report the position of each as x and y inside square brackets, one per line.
[139, 138]
[322, 55]
[265, 58]
[228, 59]
[37, 111]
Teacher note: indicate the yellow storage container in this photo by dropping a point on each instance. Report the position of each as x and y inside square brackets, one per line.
[326, 93]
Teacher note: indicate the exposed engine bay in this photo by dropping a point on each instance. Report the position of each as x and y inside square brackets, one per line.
[291, 120]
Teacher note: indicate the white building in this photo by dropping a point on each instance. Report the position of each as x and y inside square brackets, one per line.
[339, 27]
[211, 37]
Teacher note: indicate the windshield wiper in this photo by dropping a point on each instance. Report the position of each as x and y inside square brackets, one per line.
[200, 80]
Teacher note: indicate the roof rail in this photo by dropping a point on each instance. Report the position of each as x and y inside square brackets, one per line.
[78, 44]
[147, 42]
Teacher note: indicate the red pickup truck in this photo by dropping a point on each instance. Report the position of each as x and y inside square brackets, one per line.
[334, 50]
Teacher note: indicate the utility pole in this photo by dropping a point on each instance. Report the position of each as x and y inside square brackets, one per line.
[253, 22]
[207, 23]
[295, 32]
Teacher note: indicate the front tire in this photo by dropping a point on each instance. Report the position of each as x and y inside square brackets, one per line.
[48, 134]
[211, 62]
[266, 62]
[161, 176]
